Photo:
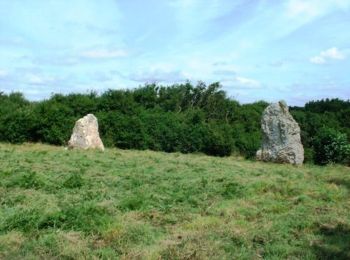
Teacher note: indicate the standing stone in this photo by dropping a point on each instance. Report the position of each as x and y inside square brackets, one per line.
[85, 134]
[281, 136]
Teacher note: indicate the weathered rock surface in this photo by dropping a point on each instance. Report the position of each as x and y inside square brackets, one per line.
[85, 134]
[281, 136]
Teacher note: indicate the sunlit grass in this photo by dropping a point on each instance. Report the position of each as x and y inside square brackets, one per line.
[56, 203]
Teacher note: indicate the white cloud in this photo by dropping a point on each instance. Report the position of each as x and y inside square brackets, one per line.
[159, 76]
[3, 73]
[327, 55]
[204, 11]
[333, 53]
[300, 7]
[252, 83]
[183, 3]
[35, 79]
[312, 8]
[241, 82]
[104, 54]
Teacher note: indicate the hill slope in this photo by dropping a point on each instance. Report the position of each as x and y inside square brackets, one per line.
[141, 204]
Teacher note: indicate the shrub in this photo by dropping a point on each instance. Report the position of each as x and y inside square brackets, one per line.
[331, 146]
[55, 122]
[17, 126]
[309, 155]
[164, 130]
[219, 140]
[120, 130]
[193, 138]
[177, 118]
[248, 144]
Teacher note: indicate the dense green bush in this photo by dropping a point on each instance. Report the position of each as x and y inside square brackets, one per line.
[331, 146]
[248, 144]
[218, 139]
[54, 122]
[16, 121]
[179, 118]
[194, 132]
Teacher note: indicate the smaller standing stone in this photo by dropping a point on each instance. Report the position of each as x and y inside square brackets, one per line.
[281, 136]
[85, 134]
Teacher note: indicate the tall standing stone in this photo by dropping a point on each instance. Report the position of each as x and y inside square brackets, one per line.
[281, 136]
[85, 134]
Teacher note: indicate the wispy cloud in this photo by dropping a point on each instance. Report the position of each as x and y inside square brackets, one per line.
[159, 76]
[104, 54]
[3, 73]
[328, 55]
[239, 82]
[35, 79]
[251, 83]
[308, 9]
[64, 46]
[278, 64]
[224, 72]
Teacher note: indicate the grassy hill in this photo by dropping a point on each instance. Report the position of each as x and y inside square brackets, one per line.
[64, 204]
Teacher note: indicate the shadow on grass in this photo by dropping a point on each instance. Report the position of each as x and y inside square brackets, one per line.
[334, 242]
[340, 182]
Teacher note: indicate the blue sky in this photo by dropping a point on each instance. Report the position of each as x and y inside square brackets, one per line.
[296, 50]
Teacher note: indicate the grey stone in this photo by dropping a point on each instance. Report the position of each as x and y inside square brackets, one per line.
[85, 134]
[281, 136]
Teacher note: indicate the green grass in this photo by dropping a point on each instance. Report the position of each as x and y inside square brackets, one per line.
[59, 204]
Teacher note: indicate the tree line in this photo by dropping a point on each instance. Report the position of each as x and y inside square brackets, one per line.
[183, 118]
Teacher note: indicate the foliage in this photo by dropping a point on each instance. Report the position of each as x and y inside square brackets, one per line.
[331, 146]
[218, 139]
[183, 118]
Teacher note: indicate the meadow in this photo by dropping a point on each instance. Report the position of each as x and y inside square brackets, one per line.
[127, 204]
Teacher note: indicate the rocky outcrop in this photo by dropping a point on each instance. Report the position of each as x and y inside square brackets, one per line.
[85, 134]
[281, 136]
